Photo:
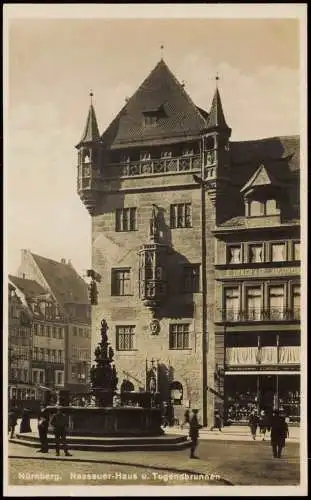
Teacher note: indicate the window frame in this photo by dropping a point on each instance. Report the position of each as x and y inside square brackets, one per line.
[296, 242]
[194, 280]
[178, 211]
[255, 244]
[173, 337]
[131, 335]
[115, 284]
[131, 219]
[284, 244]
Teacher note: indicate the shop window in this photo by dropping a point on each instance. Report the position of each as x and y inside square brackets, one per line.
[179, 336]
[232, 304]
[125, 338]
[278, 252]
[296, 250]
[180, 215]
[253, 303]
[255, 253]
[234, 254]
[121, 282]
[276, 302]
[126, 219]
[191, 278]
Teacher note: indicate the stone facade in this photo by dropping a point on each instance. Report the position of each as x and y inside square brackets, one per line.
[159, 153]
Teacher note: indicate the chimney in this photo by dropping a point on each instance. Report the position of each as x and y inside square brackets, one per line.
[63, 261]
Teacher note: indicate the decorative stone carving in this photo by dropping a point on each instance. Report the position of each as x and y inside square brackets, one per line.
[154, 327]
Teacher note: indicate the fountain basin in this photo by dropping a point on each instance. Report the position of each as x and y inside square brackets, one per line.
[110, 421]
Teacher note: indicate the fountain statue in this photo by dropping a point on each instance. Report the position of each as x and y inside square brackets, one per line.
[103, 377]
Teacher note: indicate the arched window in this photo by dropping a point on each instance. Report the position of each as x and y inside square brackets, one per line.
[86, 156]
[176, 391]
[126, 386]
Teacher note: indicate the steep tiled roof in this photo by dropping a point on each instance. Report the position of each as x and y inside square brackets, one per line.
[91, 132]
[64, 281]
[178, 115]
[30, 288]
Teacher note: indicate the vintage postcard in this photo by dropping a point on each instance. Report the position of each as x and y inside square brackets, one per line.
[155, 183]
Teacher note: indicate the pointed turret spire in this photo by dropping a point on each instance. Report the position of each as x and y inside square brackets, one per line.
[91, 132]
[216, 117]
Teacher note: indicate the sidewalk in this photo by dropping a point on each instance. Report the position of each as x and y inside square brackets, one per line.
[229, 433]
[233, 433]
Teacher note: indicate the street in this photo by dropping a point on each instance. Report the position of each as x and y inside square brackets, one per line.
[220, 462]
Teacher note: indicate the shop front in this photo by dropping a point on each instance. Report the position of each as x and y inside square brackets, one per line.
[261, 390]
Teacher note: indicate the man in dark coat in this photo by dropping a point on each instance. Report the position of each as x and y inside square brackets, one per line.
[279, 433]
[194, 427]
[12, 421]
[217, 421]
[253, 423]
[43, 426]
[25, 422]
[59, 422]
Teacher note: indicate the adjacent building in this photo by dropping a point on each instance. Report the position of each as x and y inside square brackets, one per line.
[19, 342]
[196, 240]
[56, 299]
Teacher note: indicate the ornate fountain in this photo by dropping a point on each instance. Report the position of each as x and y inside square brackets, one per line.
[98, 416]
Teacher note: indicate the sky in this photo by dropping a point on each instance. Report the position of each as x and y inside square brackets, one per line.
[52, 65]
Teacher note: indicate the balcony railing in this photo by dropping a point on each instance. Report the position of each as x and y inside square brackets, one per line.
[154, 166]
[272, 314]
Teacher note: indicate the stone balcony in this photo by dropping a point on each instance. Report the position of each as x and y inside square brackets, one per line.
[157, 166]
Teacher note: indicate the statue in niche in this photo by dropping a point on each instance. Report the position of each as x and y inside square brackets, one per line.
[154, 225]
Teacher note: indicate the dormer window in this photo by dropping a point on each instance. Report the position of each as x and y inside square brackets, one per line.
[150, 120]
[263, 208]
[151, 116]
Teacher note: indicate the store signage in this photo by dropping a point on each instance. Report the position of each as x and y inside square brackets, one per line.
[262, 368]
[257, 272]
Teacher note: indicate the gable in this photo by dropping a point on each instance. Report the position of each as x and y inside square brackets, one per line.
[260, 178]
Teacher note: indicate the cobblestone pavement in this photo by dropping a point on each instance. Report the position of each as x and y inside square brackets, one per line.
[238, 463]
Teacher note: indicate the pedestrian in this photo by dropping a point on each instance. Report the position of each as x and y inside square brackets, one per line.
[12, 421]
[194, 432]
[279, 433]
[217, 421]
[186, 418]
[253, 423]
[59, 422]
[43, 426]
[25, 422]
[264, 424]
